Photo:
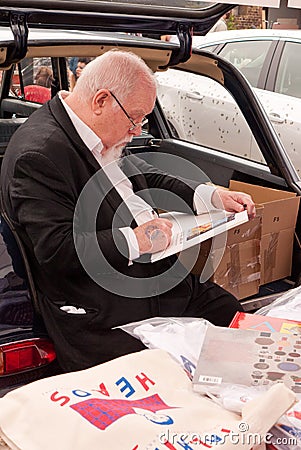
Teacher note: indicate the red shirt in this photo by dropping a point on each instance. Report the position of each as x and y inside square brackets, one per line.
[37, 93]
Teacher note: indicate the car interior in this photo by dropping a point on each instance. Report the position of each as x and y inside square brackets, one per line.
[157, 137]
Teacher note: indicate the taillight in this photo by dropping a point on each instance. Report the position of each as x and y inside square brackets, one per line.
[24, 355]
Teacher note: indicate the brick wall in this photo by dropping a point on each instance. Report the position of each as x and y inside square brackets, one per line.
[245, 17]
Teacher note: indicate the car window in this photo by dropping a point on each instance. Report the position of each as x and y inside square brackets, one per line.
[288, 80]
[202, 111]
[248, 57]
[209, 48]
[33, 77]
[32, 80]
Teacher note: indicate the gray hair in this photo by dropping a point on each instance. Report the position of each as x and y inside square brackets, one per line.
[119, 71]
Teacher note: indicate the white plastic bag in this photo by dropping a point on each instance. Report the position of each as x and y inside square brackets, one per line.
[287, 306]
[181, 337]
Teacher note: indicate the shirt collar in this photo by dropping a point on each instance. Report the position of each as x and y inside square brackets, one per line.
[90, 139]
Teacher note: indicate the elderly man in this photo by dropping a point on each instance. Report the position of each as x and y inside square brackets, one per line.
[87, 216]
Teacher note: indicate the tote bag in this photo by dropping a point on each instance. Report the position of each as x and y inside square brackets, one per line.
[142, 401]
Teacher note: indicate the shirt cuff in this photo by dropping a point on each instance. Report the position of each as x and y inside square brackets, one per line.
[202, 198]
[132, 243]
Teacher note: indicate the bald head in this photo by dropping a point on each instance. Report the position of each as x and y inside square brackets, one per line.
[119, 71]
[114, 91]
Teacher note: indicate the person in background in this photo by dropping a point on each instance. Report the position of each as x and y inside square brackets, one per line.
[221, 25]
[170, 38]
[40, 91]
[44, 76]
[75, 74]
[72, 63]
[85, 211]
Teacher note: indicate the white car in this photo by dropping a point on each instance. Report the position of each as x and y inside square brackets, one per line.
[271, 62]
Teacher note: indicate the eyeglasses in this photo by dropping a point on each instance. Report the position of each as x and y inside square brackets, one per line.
[134, 125]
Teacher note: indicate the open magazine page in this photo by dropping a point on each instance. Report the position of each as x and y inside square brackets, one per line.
[189, 230]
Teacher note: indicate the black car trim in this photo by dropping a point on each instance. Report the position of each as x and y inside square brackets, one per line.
[214, 11]
[233, 163]
[108, 16]
[184, 34]
[262, 80]
[18, 107]
[121, 19]
[271, 80]
[18, 25]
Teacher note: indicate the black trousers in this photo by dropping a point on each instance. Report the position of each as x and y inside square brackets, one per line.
[211, 302]
[208, 301]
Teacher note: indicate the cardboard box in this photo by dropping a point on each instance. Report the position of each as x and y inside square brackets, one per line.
[257, 252]
[279, 216]
[276, 255]
[235, 266]
[239, 269]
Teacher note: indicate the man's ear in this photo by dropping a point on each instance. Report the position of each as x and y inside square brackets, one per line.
[99, 101]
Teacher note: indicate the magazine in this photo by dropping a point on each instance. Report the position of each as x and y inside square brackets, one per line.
[265, 323]
[231, 356]
[189, 230]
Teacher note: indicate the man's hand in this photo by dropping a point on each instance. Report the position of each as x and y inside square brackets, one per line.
[153, 236]
[233, 201]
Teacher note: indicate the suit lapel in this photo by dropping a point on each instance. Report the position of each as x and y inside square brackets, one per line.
[63, 120]
[112, 200]
[122, 215]
[137, 179]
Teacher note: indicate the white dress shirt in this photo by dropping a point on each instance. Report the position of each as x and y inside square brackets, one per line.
[141, 211]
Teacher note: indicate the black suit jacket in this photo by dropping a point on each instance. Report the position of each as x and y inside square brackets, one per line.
[44, 173]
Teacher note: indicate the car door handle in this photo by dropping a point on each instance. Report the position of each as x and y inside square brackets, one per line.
[195, 95]
[275, 117]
